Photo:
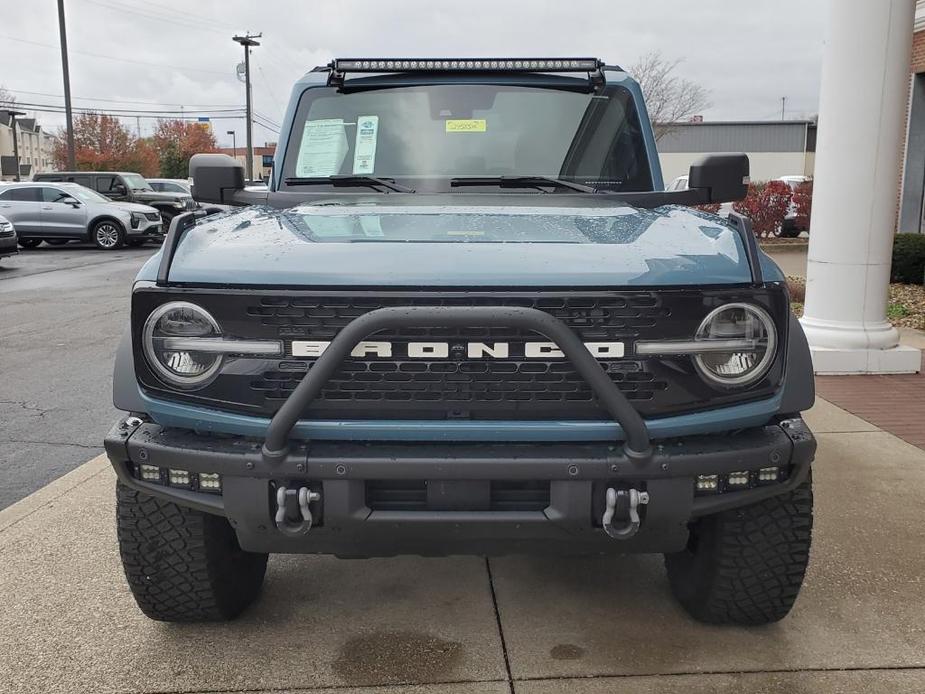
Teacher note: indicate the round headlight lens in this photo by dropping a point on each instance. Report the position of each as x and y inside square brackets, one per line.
[169, 343]
[745, 323]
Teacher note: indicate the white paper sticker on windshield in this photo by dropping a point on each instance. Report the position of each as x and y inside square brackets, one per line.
[364, 151]
[324, 147]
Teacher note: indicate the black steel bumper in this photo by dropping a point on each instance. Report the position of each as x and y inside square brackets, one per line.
[577, 474]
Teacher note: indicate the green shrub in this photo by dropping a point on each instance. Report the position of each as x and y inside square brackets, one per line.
[908, 259]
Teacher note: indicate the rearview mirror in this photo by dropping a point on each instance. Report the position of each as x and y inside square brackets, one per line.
[721, 177]
[216, 178]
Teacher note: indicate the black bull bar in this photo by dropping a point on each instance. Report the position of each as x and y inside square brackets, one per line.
[637, 447]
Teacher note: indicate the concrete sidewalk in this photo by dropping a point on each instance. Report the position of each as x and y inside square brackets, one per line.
[594, 625]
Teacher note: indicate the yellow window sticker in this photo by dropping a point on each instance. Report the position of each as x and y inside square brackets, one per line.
[469, 125]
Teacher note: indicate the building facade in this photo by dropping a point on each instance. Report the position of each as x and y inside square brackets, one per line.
[774, 148]
[36, 148]
[912, 188]
[263, 159]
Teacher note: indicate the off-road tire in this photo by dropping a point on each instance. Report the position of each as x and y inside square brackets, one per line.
[29, 242]
[184, 565]
[746, 566]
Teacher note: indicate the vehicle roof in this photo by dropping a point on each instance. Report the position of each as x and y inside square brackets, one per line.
[88, 173]
[20, 184]
[168, 180]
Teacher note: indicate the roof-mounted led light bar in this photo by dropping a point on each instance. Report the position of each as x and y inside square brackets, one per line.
[343, 65]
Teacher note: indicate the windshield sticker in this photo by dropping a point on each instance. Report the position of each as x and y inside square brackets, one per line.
[364, 149]
[469, 125]
[324, 148]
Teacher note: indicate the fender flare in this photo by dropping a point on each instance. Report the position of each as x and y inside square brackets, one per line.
[125, 393]
[799, 391]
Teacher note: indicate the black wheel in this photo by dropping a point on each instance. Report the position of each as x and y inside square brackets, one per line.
[107, 235]
[746, 566]
[56, 242]
[184, 565]
[29, 242]
[135, 243]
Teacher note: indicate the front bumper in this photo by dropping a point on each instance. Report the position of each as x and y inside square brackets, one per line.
[459, 519]
[147, 228]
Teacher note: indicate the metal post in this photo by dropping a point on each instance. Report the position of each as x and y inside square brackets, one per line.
[71, 155]
[234, 143]
[12, 114]
[247, 41]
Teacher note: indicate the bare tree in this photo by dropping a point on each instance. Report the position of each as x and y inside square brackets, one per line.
[6, 98]
[670, 98]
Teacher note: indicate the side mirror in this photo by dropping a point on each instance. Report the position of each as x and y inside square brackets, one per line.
[720, 177]
[73, 202]
[119, 189]
[216, 178]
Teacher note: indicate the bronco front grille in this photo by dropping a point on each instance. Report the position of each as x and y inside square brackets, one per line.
[514, 388]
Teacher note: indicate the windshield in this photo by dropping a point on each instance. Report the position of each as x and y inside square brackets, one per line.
[85, 194]
[136, 182]
[428, 135]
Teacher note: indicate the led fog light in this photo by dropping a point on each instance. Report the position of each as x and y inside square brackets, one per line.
[179, 478]
[707, 483]
[767, 475]
[210, 481]
[737, 479]
[150, 473]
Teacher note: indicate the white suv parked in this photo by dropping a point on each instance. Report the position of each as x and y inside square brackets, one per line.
[60, 212]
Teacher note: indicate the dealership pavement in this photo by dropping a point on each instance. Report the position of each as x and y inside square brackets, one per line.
[529, 625]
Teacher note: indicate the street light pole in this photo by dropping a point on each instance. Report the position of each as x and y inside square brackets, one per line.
[247, 41]
[12, 114]
[71, 156]
[234, 143]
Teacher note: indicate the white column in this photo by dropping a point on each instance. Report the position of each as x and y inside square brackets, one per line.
[862, 108]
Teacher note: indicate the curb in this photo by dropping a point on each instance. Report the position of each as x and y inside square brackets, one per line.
[44, 496]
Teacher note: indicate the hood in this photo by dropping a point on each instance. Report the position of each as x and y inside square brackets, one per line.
[155, 196]
[133, 207]
[452, 245]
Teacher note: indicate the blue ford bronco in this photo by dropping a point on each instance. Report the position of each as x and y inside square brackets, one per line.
[464, 317]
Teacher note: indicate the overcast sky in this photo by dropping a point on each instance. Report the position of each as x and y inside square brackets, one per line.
[172, 53]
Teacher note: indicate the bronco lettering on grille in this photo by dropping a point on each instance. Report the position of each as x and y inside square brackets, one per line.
[447, 350]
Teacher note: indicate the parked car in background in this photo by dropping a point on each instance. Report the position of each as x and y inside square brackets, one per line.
[170, 185]
[61, 212]
[792, 227]
[7, 238]
[126, 187]
[680, 183]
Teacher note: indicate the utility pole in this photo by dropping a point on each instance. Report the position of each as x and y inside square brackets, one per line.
[234, 143]
[12, 114]
[783, 106]
[247, 41]
[71, 156]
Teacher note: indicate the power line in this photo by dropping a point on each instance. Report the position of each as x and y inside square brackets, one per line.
[120, 101]
[149, 14]
[134, 111]
[120, 60]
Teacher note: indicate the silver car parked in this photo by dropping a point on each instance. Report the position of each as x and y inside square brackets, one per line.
[60, 212]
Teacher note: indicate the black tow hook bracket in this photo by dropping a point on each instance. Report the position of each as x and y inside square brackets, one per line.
[302, 497]
[623, 505]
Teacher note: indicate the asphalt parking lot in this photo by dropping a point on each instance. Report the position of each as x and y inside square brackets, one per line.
[62, 311]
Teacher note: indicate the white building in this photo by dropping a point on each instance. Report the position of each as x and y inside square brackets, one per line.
[36, 148]
[774, 148]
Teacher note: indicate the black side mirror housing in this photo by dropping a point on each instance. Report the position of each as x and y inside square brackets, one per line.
[721, 177]
[73, 202]
[216, 178]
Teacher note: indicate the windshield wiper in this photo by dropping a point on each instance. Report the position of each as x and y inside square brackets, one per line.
[520, 182]
[348, 180]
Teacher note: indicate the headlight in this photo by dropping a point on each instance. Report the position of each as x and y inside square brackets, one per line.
[137, 219]
[170, 335]
[6, 226]
[737, 344]
[179, 203]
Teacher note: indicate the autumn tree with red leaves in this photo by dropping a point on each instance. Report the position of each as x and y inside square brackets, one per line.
[803, 202]
[178, 140]
[766, 205]
[103, 143]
